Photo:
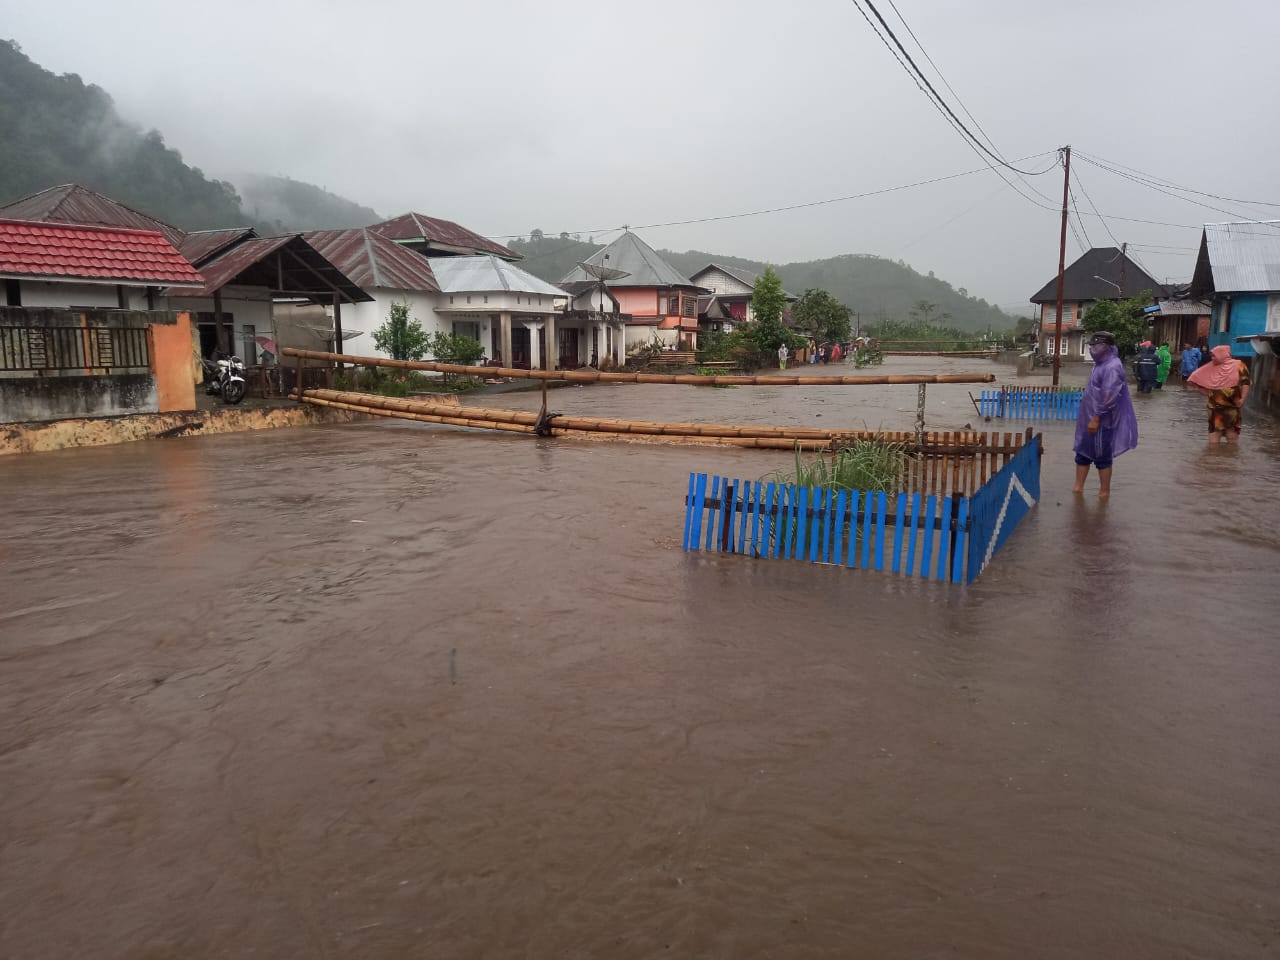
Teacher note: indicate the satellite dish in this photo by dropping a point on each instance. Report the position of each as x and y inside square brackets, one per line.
[602, 272]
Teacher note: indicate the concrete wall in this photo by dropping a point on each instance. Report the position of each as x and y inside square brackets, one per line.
[41, 293]
[56, 398]
[173, 363]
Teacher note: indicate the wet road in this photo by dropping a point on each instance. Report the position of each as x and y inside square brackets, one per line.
[385, 690]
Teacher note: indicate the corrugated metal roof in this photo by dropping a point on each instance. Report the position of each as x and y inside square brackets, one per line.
[373, 261]
[1103, 273]
[72, 203]
[487, 274]
[80, 252]
[1243, 257]
[300, 270]
[643, 264]
[204, 245]
[1190, 308]
[416, 227]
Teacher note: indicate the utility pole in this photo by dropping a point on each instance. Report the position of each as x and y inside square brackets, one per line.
[1062, 261]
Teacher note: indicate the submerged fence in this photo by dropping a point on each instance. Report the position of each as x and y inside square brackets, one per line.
[1030, 403]
[943, 538]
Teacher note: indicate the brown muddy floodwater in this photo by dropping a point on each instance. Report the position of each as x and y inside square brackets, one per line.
[386, 690]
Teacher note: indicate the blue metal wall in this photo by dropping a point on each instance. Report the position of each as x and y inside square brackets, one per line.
[1248, 316]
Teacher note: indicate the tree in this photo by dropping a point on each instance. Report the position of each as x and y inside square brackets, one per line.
[401, 337]
[535, 236]
[767, 303]
[1124, 318]
[453, 348]
[822, 316]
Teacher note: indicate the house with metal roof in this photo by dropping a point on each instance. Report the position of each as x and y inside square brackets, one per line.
[433, 237]
[660, 301]
[77, 335]
[72, 203]
[729, 301]
[1102, 273]
[1238, 270]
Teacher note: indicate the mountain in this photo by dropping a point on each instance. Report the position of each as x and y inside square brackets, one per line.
[874, 287]
[298, 205]
[58, 129]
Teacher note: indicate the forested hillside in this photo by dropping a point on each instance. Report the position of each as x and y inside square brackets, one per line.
[300, 206]
[58, 129]
[876, 288]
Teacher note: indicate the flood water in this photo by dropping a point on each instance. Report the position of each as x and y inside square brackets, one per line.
[385, 690]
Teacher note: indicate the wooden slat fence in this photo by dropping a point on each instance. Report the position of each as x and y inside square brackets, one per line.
[1031, 403]
[937, 537]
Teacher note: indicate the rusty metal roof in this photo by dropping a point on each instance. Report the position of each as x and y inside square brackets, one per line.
[203, 245]
[72, 203]
[373, 261]
[287, 266]
[67, 252]
[440, 236]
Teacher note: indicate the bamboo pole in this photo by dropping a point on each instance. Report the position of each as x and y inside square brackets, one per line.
[595, 376]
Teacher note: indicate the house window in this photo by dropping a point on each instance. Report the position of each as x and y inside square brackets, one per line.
[466, 328]
[486, 298]
[1083, 347]
[468, 298]
[451, 300]
[688, 307]
[1224, 316]
[1062, 346]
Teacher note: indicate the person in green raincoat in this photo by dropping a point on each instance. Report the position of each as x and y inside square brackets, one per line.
[1164, 361]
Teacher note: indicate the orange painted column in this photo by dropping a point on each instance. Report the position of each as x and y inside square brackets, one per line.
[173, 363]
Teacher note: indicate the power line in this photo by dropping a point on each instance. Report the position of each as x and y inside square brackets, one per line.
[1106, 226]
[1170, 193]
[1077, 211]
[916, 72]
[1169, 183]
[950, 89]
[785, 208]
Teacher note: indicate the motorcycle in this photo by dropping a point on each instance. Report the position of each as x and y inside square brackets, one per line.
[224, 377]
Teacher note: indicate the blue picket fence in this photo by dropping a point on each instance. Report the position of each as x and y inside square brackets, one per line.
[936, 537]
[1030, 403]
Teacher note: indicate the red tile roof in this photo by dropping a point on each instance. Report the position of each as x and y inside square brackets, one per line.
[58, 251]
[411, 227]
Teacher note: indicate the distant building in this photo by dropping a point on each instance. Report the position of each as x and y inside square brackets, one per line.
[1103, 273]
[433, 237]
[729, 300]
[660, 300]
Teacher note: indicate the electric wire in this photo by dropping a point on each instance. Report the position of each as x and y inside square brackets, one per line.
[916, 72]
[950, 89]
[1208, 206]
[1106, 226]
[1072, 194]
[1169, 183]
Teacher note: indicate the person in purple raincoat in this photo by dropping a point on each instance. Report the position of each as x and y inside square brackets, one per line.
[1106, 426]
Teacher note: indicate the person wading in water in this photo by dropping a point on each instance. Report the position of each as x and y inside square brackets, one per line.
[1106, 426]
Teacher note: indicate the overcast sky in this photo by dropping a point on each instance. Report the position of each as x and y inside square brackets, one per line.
[581, 116]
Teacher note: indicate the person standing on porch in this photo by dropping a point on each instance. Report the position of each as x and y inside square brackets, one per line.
[1106, 425]
[782, 357]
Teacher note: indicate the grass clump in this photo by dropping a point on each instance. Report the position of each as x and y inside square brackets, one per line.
[872, 464]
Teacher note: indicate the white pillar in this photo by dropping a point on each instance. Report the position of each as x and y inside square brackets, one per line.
[535, 351]
[504, 328]
[553, 351]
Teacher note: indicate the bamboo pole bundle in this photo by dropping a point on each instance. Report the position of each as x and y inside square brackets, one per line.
[595, 376]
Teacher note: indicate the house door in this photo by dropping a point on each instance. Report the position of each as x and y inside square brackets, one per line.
[521, 346]
[567, 348]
